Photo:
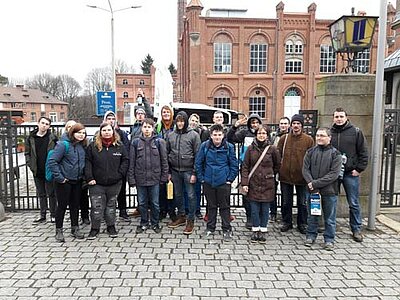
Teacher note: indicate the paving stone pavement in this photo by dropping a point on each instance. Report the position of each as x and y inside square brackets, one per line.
[170, 265]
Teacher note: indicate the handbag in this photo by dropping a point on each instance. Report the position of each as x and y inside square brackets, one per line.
[241, 190]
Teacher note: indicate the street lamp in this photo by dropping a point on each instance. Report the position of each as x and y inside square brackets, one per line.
[111, 11]
[350, 35]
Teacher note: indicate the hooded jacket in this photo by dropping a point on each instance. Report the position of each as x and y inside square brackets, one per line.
[182, 146]
[351, 141]
[122, 134]
[30, 150]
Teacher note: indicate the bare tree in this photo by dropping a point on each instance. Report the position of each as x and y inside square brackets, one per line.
[99, 79]
[122, 67]
[45, 82]
[82, 107]
[68, 88]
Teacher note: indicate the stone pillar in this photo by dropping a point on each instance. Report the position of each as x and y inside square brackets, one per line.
[355, 93]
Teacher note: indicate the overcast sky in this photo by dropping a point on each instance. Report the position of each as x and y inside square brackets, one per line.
[67, 37]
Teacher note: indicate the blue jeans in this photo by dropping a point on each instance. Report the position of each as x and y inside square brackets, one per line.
[180, 180]
[197, 190]
[148, 195]
[259, 213]
[352, 186]
[287, 204]
[328, 205]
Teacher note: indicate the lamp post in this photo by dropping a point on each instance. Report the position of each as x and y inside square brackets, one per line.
[111, 11]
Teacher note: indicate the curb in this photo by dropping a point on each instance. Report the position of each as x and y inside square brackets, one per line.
[389, 222]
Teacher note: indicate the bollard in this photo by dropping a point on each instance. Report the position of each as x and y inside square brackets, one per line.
[2, 212]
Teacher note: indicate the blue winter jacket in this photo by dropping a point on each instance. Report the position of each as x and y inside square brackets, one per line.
[216, 165]
[67, 164]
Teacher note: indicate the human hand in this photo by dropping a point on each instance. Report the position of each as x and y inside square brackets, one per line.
[355, 173]
[92, 182]
[193, 179]
[246, 188]
[310, 186]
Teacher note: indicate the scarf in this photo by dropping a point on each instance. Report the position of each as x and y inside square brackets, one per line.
[107, 141]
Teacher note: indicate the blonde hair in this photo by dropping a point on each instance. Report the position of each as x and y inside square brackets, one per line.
[68, 125]
[97, 138]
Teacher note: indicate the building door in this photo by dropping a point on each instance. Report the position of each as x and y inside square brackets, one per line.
[292, 102]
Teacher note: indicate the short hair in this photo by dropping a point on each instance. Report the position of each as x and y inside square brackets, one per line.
[149, 121]
[340, 109]
[218, 112]
[326, 129]
[74, 129]
[195, 116]
[265, 127]
[216, 127]
[287, 118]
[46, 118]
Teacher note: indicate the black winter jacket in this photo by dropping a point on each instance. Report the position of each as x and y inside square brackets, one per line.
[351, 141]
[108, 166]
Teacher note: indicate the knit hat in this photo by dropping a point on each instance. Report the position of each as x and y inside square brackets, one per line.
[298, 118]
[139, 109]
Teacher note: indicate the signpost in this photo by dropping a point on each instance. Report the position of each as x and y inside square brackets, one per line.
[105, 102]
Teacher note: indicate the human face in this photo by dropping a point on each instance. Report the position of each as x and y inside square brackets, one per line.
[216, 137]
[322, 138]
[262, 135]
[80, 135]
[218, 119]
[180, 124]
[43, 125]
[140, 116]
[297, 128]
[254, 123]
[166, 114]
[111, 119]
[284, 125]
[339, 118]
[194, 122]
[147, 130]
[107, 131]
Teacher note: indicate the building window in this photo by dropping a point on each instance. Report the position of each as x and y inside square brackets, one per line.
[124, 81]
[292, 92]
[126, 104]
[289, 47]
[53, 116]
[298, 47]
[222, 102]
[62, 107]
[258, 58]
[257, 106]
[33, 117]
[32, 105]
[361, 62]
[62, 116]
[222, 57]
[141, 82]
[125, 95]
[293, 66]
[327, 59]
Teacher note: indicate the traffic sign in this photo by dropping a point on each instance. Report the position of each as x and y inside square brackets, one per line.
[105, 102]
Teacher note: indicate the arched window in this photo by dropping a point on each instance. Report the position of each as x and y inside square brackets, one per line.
[222, 54]
[294, 54]
[258, 54]
[141, 82]
[257, 103]
[124, 81]
[293, 91]
[125, 95]
[222, 99]
[327, 59]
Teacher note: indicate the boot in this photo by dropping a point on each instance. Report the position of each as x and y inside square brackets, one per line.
[76, 233]
[180, 221]
[189, 227]
[248, 224]
[59, 235]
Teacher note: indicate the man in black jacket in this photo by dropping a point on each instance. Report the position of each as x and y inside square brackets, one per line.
[351, 142]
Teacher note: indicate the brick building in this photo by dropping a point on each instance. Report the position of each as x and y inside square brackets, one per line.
[252, 65]
[33, 103]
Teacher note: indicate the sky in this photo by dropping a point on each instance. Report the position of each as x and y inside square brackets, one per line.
[67, 37]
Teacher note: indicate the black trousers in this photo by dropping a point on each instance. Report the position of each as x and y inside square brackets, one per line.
[84, 203]
[218, 197]
[68, 194]
[121, 199]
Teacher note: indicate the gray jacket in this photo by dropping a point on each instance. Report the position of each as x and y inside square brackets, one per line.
[321, 167]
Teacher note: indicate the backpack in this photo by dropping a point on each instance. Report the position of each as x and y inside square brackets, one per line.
[48, 173]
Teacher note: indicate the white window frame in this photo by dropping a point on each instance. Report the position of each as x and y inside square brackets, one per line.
[362, 61]
[222, 102]
[327, 59]
[222, 57]
[125, 95]
[257, 105]
[293, 66]
[53, 116]
[258, 58]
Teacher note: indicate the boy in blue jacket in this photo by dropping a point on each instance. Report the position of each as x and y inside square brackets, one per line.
[217, 167]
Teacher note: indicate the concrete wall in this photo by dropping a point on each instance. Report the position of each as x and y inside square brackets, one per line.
[355, 93]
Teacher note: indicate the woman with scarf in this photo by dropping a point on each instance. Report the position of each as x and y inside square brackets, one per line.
[260, 185]
[106, 164]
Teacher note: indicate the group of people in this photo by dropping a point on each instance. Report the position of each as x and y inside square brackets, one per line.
[180, 151]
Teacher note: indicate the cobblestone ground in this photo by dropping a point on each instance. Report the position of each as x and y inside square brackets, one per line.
[170, 265]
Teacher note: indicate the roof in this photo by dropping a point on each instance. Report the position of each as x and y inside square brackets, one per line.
[392, 62]
[21, 94]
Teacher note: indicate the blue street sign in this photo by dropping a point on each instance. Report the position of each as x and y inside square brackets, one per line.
[105, 102]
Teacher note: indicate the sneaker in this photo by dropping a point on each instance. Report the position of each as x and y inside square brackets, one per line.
[59, 235]
[180, 221]
[254, 237]
[309, 242]
[40, 220]
[93, 234]
[124, 216]
[205, 218]
[199, 215]
[227, 236]
[272, 218]
[76, 233]
[328, 246]
[52, 219]
[141, 228]
[302, 229]
[157, 228]
[286, 227]
[261, 237]
[189, 227]
[358, 237]
[207, 234]
[112, 232]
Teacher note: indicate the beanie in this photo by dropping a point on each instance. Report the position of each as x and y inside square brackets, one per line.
[139, 109]
[298, 118]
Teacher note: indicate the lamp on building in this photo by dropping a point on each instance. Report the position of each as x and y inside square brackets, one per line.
[111, 11]
[351, 35]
